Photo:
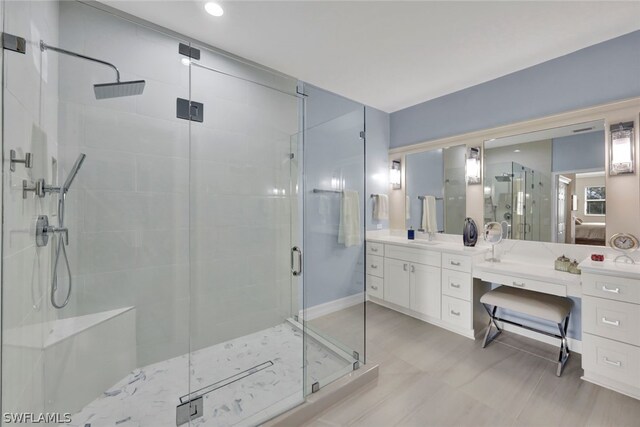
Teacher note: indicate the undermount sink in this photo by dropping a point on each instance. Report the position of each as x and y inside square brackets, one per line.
[425, 243]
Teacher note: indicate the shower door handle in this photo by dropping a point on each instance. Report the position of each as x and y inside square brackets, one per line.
[298, 271]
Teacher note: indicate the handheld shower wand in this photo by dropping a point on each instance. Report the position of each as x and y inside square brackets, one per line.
[62, 243]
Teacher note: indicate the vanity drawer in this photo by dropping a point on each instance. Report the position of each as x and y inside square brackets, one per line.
[375, 265]
[456, 284]
[419, 256]
[456, 312]
[456, 262]
[611, 359]
[520, 282]
[611, 319]
[609, 287]
[375, 248]
[375, 286]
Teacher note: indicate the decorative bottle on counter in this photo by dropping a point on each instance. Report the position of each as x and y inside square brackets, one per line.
[411, 233]
[470, 232]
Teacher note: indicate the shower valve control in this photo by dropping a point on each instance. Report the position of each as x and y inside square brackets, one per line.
[44, 230]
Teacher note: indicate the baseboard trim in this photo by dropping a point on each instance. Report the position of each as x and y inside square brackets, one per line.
[575, 345]
[611, 384]
[468, 333]
[320, 310]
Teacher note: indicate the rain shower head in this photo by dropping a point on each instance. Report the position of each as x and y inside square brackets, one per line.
[505, 177]
[118, 89]
[104, 90]
[73, 173]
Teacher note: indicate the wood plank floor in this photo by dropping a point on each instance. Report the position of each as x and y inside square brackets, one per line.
[432, 377]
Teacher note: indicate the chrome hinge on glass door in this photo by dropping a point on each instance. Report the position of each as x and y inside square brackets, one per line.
[14, 43]
[296, 271]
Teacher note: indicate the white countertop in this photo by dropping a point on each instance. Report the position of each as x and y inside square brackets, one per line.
[543, 273]
[436, 245]
[611, 268]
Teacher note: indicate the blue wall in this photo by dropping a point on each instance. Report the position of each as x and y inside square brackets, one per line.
[576, 152]
[598, 74]
[333, 149]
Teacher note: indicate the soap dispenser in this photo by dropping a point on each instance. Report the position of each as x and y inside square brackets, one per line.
[411, 233]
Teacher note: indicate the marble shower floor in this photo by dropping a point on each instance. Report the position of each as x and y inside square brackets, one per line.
[148, 396]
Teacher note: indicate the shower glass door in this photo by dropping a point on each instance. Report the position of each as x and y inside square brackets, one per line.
[246, 349]
[334, 197]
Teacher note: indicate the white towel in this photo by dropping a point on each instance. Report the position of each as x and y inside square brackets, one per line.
[380, 207]
[407, 208]
[349, 228]
[429, 222]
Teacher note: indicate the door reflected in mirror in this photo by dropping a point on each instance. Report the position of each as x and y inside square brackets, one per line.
[548, 185]
[436, 190]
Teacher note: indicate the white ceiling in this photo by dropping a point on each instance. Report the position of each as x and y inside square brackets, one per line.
[394, 54]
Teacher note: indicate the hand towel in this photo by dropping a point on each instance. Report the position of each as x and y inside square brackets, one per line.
[429, 221]
[407, 208]
[349, 228]
[380, 207]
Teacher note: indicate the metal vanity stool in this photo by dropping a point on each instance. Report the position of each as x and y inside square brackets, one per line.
[553, 308]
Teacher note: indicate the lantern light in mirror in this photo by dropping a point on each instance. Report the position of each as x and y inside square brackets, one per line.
[395, 176]
[473, 166]
[621, 153]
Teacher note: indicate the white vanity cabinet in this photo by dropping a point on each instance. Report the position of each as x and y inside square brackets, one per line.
[413, 279]
[375, 269]
[611, 330]
[457, 291]
[427, 282]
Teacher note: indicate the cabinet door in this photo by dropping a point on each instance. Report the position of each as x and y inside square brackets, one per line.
[396, 282]
[425, 290]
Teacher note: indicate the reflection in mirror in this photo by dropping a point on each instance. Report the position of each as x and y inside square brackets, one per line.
[549, 185]
[436, 190]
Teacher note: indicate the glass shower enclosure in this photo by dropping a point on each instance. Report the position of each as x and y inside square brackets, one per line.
[156, 223]
[518, 197]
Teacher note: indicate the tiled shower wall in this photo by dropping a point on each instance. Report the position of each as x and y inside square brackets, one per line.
[30, 108]
[187, 222]
[128, 210]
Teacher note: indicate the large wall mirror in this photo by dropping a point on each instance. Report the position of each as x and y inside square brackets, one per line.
[436, 190]
[548, 185]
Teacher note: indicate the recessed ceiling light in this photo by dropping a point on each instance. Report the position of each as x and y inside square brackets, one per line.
[214, 9]
[516, 151]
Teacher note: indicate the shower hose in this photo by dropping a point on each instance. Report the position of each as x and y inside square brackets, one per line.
[60, 247]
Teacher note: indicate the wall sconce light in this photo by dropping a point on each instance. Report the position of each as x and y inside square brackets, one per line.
[395, 175]
[621, 149]
[574, 202]
[473, 169]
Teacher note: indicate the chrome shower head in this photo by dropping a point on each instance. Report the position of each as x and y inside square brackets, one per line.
[103, 90]
[73, 173]
[505, 177]
[118, 89]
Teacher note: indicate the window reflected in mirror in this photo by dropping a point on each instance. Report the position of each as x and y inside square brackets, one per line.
[549, 185]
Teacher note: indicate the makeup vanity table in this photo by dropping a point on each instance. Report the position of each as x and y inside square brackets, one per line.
[441, 282]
